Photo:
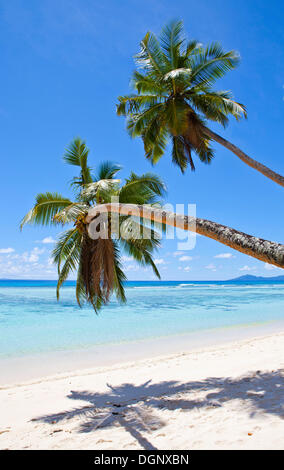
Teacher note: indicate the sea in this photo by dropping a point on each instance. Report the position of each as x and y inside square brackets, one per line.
[32, 321]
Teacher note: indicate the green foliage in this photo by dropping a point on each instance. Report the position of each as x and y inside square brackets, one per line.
[98, 265]
[173, 95]
[46, 207]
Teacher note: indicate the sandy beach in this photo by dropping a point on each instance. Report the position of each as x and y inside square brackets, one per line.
[225, 397]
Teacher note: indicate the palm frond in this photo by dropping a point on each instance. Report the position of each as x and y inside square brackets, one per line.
[178, 153]
[172, 40]
[133, 104]
[119, 276]
[147, 85]
[97, 264]
[77, 154]
[64, 245]
[137, 124]
[101, 190]
[150, 58]
[45, 209]
[211, 64]
[193, 47]
[81, 296]
[71, 213]
[141, 250]
[107, 171]
[142, 189]
[70, 265]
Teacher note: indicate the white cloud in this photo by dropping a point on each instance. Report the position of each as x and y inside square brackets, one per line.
[178, 253]
[131, 267]
[27, 266]
[247, 268]
[185, 258]
[28, 257]
[6, 250]
[186, 268]
[224, 255]
[211, 266]
[33, 257]
[159, 261]
[47, 240]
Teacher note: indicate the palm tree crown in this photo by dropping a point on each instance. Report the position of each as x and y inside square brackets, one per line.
[97, 262]
[174, 96]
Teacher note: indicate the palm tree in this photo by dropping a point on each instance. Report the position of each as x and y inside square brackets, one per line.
[173, 99]
[98, 261]
[264, 250]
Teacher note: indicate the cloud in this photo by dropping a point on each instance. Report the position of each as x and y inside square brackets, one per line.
[224, 255]
[135, 268]
[178, 253]
[131, 267]
[247, 268]
[27, 265]
[159, 261]
[186, 268]
[6, 251]
[185, 258]
[211, 266]
[28, 257]
[47, 240]
[33, 257]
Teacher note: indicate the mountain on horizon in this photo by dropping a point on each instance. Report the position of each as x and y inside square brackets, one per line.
[250, 277]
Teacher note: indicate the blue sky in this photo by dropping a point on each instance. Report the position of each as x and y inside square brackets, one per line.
[63, 64]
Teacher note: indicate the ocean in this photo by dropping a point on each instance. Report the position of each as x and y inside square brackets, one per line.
[32, 321]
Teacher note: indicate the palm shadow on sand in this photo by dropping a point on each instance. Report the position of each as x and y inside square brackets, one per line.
[133, 407]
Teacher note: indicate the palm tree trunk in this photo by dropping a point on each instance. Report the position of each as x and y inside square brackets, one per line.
[245, 158]
[264, 250]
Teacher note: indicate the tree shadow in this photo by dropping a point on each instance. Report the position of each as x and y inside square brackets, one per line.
[133, 407]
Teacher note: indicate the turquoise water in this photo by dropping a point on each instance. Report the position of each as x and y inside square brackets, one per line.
[32, 321]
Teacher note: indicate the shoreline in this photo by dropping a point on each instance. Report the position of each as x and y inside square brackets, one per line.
[228, 396]
[48, 365]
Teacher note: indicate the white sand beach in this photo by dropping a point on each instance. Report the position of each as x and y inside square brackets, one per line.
[226, 397]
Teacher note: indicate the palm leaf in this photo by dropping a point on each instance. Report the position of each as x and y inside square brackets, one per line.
[70, 264]
[71, 213]
[77, 154]
[212, 64]
[119, 276]
[101, 190]
[150, 57]
[46, 207]
[141, 250]
[107, 170]
[64, 245]
[171, 41]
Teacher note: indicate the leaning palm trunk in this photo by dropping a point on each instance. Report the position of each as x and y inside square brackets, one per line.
[245, 158]
[264, 250]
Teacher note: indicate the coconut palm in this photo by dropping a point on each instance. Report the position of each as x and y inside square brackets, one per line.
[98, 261]
[174, 98]
[263, 250]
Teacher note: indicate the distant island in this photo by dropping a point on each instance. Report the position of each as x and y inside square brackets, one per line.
[250, 277]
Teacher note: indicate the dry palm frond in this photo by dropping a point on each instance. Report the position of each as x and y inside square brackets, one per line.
[97, 268]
